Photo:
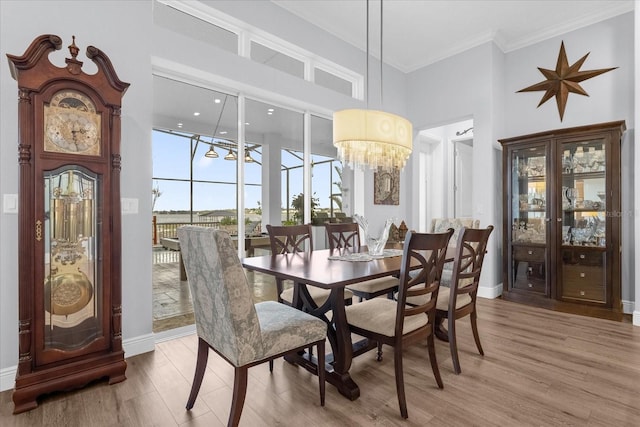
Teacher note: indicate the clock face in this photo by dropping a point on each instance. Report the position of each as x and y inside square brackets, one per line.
[71, 124]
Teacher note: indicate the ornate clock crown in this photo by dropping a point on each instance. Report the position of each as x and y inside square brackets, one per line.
[73, 64]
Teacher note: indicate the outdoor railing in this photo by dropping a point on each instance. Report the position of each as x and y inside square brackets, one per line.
[170, 229]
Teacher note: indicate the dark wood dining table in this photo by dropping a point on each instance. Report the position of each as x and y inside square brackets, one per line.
[316, 269]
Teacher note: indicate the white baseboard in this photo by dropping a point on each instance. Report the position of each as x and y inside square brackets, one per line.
[8, 378]
[132, 347]
[490, 292]
[138, 345]
[636, 318]
[175, 333]
[628, 307]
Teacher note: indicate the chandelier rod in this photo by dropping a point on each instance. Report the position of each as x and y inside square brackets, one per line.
[381, 62]
[367, 99]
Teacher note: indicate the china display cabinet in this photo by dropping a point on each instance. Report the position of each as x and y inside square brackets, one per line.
[562, 230]
[69, 261]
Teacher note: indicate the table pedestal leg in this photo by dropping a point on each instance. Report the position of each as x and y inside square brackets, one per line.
[338, 364]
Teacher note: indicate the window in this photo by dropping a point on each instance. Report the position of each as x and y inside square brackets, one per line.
[180, 22]
[277, 60]
[333, 82]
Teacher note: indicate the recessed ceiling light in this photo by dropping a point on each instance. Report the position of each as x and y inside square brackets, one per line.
[179, 125]
[223, 132]
[270, 110]
[217, 100]
[247, 123]
[196, 113]
[270, 113]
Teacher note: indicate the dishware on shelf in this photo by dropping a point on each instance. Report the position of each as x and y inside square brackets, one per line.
[571, 194]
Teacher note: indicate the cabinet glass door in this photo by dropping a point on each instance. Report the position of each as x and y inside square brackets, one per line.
[529, 197]
[584, 233]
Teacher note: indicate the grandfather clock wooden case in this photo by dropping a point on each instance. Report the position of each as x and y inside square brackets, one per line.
[69, 232]
[562, 219]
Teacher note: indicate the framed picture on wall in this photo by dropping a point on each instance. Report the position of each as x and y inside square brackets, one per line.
[386, 187]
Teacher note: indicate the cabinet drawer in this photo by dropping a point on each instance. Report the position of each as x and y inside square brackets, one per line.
[593, 258]
[584, 282]
[530, 276]
[528, 253]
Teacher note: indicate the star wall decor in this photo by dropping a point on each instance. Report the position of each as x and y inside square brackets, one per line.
[563, 80]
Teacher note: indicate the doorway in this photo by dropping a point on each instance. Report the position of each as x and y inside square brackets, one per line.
[463, 178]
[446, 172]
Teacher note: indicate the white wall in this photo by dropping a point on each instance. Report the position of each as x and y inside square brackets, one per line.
[609, 44]
[452, 90]
[634, 258]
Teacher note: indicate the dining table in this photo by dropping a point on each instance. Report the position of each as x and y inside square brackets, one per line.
[333, 270]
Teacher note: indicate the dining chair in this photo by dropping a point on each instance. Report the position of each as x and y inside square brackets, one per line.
[347, 235]
[241, 332]
[459, 299]
[287, 239]
[398, 324]
[439, 225]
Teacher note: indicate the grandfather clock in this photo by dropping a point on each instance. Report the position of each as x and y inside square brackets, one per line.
[69, 232]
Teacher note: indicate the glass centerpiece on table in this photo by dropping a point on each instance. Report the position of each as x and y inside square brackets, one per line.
[375, 242]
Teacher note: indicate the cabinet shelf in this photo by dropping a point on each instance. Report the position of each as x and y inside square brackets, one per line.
[583, 210]
[537, 210]
[533, 178]
[583, 175]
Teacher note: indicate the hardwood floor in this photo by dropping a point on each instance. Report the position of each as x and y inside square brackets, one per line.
[541, 368]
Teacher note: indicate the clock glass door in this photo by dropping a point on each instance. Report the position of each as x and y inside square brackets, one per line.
[72, 259]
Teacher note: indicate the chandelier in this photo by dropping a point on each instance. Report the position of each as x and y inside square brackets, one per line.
[372, 138]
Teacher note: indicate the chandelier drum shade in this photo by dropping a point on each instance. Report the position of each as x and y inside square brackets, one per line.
[373, 138]
[376, 139]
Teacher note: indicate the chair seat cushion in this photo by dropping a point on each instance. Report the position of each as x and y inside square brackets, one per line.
[319, 295]
[375, 285]
[284, 328]
[443, 300]
[379, 315]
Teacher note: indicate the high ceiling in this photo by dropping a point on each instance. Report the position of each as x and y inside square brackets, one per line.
[419, 32]
[415, 33]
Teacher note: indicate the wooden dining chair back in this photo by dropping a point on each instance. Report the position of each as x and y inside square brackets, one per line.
[343, 235]
[291, 239]
[227, 320]
[460, 299]
[398, 324]
[347, 236]
[287, 239]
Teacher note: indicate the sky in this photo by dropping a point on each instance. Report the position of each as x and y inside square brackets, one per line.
[171, 160]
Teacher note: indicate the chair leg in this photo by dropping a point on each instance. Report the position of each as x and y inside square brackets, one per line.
[379, 355]
[402, 401]
[431, 345]
[474, 328]
[271, 365]
[453, 346]
[321, 371]
[201, 365]
[239, 393]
